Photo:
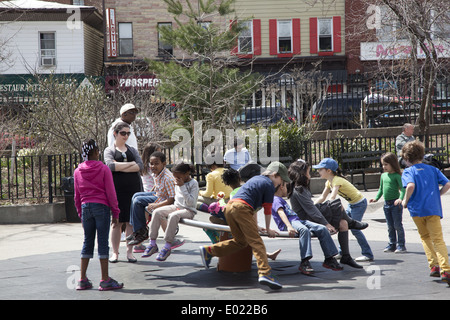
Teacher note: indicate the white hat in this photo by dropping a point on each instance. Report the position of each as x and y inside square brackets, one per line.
[126, 107]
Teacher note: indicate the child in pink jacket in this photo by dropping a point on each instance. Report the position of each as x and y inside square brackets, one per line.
[95, 198]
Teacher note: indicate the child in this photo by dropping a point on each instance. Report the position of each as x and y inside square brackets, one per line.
[422, 198]
[287, 220]
[186, 193]
[390, 184]
[330, 213]
[164, 195]
[95, 197]
[148, 183]
[214, 185]
[231, 178]
[241, 217]
[337, 184]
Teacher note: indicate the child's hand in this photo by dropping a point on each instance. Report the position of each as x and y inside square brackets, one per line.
[292, 232]
[151, 207]
[179, 182]
[114, 222]
[398, 202]
[271, 233]
[405, 204]
[372, 200]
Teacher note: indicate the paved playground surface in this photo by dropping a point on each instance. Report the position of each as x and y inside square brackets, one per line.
[41, 262]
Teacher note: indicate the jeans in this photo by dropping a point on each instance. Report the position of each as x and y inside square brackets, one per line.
[393, 214]
[139, 202]
[356, 211]
[96, 218]
[304, 227]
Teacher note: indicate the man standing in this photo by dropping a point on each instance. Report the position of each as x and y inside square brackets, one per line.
[128, 114]
[238, 156]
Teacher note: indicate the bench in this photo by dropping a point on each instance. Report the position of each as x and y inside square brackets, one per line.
[440, 154]
[359, 162]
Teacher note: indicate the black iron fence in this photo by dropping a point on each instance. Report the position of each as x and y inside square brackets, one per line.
[40, 178]
[354, 101]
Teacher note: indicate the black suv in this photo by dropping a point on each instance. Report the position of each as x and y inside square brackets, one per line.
[343, 111]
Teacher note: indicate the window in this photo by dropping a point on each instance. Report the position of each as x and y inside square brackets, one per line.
[78, 2]
[47, 49]
[245, 39]
[390, 28]
[164, 49]
[125, 38]
[325, 35]
[284, 36]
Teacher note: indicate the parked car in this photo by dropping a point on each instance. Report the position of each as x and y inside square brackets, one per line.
[343, 111]
[264, 115]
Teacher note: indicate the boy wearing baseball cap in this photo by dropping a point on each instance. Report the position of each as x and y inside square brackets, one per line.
[240, 214]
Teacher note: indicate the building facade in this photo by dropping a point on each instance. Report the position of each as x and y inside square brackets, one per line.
[43, 38]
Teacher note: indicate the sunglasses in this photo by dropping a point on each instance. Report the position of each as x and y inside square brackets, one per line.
[125, 133]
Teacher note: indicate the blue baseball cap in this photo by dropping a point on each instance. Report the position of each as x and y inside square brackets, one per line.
[327, 163]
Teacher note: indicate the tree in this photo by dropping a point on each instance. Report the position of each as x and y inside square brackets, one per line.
[208, 85]
[422, 24]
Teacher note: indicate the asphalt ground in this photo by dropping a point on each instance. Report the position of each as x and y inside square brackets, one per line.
[41, 262]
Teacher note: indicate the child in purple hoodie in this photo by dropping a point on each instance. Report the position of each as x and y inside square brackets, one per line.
[95, 198]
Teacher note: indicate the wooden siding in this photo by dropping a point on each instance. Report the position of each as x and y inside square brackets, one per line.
[93, 51]
[291, 9]
[23, 47]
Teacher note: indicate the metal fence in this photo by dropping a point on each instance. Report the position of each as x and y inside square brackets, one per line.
[347, 102]
[39, 178]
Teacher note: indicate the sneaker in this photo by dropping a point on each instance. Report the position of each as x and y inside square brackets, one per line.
[435, 272]
[331, 263]
[206, 257]
[270, 281]
[389, 248]
[139, 237]
[139, 248]
[110, 284]
[445, 276]
[150, 250]
[177, 243]
[162, 256]
[400, 249]
[305, 267]
[84, 284]
[363, 259]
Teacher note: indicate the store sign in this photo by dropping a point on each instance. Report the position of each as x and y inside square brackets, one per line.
[143, 82]
[111, 37]
[398, 50]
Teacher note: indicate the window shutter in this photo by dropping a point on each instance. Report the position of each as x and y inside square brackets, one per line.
[296, 46]
[313, 35]
[257, 37]
[337, 34]
[273, 37]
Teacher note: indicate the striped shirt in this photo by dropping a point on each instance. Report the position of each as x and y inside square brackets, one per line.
[164, 185]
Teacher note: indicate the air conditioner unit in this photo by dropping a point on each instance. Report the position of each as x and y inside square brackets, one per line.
[48, 62]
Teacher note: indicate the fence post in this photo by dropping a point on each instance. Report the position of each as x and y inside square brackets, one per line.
[50, 179]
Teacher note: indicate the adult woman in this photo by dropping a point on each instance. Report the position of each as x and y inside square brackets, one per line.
[125, 164]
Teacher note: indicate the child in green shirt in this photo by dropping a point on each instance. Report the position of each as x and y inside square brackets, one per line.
[391, 188]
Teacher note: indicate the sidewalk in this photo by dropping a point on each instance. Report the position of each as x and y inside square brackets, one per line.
[41, 261]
